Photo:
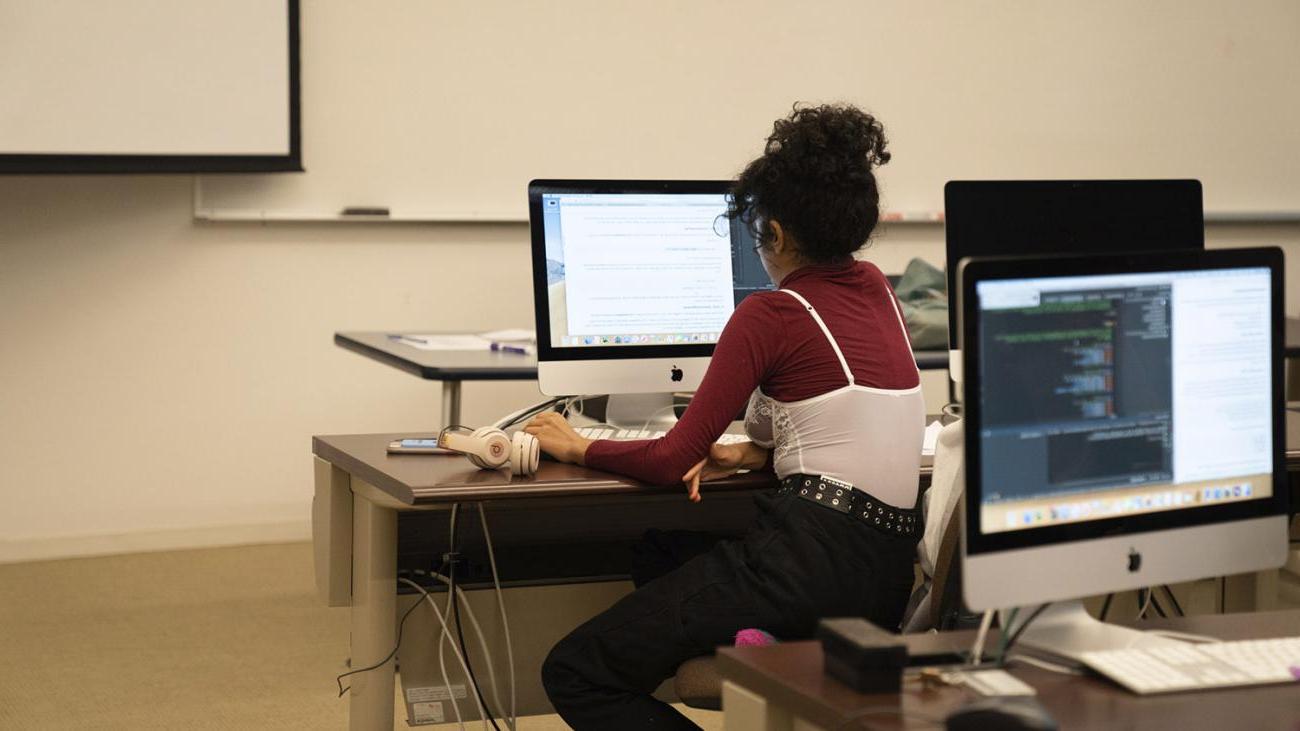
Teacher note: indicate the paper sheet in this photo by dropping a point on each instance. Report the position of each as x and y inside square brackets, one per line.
[931, 438]
[511, 334]
[518, 337]
[445, 342]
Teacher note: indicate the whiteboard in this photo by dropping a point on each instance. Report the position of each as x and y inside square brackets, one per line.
[445, 110]
[145, 77]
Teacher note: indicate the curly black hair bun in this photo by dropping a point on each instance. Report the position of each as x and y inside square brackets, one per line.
[816, 177]
[829, 139]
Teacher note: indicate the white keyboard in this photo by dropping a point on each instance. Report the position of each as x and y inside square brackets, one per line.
[1195, 667]
[605, 432]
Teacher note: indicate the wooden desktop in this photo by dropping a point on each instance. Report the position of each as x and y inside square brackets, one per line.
[783, 687]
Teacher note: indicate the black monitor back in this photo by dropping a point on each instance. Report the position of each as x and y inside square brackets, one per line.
[1034, 217]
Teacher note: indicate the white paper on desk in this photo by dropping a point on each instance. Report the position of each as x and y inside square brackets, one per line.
[443, 341]
[511, 335]
[931, 438]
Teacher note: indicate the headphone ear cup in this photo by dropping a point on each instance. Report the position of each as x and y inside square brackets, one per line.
[496, 447]
[524, 454]
[534, 454]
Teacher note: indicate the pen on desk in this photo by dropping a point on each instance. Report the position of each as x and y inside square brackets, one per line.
[502, 347]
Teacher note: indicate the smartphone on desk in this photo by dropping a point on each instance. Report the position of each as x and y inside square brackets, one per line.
[417, 446]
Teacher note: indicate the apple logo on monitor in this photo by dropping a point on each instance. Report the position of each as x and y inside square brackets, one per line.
[675, 373]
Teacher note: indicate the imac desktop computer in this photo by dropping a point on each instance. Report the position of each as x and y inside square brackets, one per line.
[1124, 429]
[633, 281]
[1049, 217]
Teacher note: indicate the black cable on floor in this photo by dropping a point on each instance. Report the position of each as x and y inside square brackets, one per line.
[381, 663]
[1105, 607]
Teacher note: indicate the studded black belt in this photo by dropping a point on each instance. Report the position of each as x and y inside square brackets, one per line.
[845, 498]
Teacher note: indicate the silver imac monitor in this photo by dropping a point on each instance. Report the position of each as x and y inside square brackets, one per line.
[1124, 429]
[633, 281]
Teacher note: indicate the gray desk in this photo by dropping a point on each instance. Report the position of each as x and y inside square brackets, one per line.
[452, 367]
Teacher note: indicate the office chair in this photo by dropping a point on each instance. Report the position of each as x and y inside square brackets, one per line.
[698, 683]
[936, 603]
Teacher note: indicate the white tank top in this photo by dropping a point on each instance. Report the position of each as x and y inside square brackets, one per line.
[868, 437]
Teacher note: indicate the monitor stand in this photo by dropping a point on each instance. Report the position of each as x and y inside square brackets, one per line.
[1066, 630]
[652, 411]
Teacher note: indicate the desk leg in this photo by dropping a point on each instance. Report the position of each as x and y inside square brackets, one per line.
[744, 710]
[374, 607]
[450, 403]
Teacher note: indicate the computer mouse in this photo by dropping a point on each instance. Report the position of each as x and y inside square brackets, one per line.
[1001, 713]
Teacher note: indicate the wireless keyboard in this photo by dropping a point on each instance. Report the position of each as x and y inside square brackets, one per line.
[1197, 667]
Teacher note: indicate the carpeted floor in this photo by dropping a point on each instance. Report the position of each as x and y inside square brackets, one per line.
[230, 638]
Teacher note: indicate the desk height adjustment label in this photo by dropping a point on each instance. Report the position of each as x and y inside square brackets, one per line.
[431, 712]
[427, 693]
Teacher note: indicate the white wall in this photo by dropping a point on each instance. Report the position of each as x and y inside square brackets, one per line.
[452, 106]
[160, 379]
[161, 376]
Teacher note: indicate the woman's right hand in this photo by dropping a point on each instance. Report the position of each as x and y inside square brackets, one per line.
[723, 460]
[557, 437]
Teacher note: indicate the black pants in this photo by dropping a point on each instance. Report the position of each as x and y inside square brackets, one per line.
[799, 562]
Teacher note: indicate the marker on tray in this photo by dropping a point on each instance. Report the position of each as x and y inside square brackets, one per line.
[371, 211]
[504, 348]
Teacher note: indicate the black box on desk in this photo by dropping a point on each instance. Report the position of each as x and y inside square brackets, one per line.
[861, 655]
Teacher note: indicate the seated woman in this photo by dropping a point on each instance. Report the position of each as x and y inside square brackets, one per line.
[835, 407]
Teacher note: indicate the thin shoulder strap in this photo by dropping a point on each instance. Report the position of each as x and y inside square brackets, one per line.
[825, 330]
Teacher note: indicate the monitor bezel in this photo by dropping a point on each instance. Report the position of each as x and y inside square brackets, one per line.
[541, 304]
[972, 271]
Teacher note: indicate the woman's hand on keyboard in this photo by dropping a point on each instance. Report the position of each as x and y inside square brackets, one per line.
[557, 438]
[723, 460]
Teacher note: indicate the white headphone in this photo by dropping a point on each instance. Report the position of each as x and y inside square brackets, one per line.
[492, 449]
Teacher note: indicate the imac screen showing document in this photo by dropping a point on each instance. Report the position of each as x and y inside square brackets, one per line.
[644, 268]
[1120, 394]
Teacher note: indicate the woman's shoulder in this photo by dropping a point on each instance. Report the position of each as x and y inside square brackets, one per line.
[872, 282]
[869, 271]
[761, 304]
[764, 310]
[768, 303]
[761, 316]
